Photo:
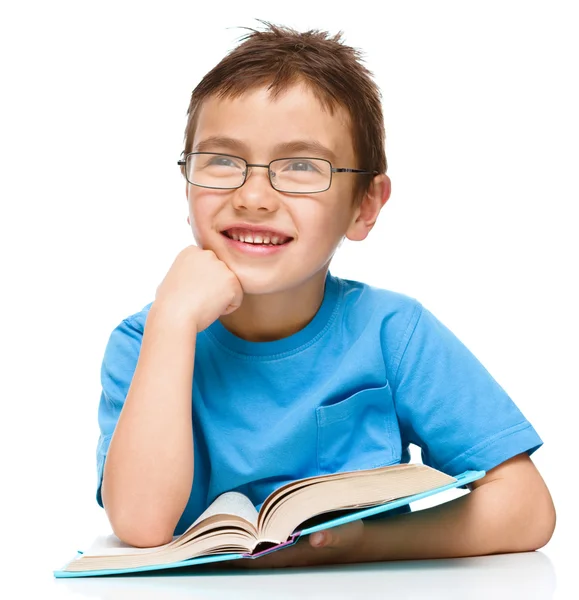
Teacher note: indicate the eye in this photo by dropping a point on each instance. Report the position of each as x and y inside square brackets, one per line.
[223, 161]
[301, 165]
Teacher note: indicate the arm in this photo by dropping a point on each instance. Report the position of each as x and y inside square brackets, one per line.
[508, 510]
[148, 471]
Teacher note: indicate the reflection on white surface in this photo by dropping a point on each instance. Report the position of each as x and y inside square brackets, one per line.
[527, 576]
[111, 545]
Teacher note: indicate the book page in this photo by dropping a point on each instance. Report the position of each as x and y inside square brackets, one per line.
[230, 503]
[352, 490]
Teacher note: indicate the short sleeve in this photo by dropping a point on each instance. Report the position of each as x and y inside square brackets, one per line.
[118, 367]
[451, 407]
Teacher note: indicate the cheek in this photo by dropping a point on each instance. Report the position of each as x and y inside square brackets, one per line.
[331, 217]
[198, 220]
[205, 207]
[202, 207]
[319, 231]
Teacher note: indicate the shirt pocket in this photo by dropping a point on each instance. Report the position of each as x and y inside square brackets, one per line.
[360, 432]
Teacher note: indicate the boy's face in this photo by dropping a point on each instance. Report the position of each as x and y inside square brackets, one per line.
[256, 124]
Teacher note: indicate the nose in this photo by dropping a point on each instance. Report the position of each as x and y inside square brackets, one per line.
[256, 193]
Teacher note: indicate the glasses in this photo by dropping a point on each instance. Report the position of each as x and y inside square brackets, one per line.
[298, 175]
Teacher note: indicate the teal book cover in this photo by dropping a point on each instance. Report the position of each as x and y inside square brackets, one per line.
[339, 513]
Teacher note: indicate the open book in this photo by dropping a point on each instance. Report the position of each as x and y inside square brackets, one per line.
[231, 527]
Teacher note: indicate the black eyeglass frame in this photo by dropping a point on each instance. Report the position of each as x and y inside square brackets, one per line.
[183, 163]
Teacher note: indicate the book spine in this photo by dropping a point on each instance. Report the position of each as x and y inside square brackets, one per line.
[291, 541]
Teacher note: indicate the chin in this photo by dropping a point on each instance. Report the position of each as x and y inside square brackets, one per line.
[260, 283]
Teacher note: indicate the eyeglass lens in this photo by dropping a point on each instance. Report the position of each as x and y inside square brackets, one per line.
[306, 175]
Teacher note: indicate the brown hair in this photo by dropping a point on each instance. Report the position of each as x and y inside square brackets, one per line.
[281, 56]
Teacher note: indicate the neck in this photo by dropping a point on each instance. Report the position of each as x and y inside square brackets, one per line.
[271, 317]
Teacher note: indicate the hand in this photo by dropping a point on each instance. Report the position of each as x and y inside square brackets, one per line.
[198, 288]
[340, 545]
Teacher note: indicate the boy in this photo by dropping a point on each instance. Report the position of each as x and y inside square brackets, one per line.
[255, 366]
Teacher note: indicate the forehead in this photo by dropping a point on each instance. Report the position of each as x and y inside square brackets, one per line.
[260, 123]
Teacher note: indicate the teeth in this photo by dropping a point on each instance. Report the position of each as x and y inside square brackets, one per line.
[257, 239]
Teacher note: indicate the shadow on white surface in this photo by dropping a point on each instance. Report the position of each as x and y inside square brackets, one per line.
[527, 575]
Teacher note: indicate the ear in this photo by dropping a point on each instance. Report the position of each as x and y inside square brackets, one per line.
[367, 213]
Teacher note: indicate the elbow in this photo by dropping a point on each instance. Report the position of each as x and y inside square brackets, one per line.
[140, 532]
[517, 492]
[544, 524]
[142, 536]
[536, 520]
[134, 529]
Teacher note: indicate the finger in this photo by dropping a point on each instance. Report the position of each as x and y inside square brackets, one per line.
[338, 537]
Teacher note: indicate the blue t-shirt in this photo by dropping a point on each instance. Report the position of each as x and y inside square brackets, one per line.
[371, 373]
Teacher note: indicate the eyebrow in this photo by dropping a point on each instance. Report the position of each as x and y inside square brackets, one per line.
[282, 150]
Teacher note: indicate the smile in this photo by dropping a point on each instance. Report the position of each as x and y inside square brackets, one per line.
[258, 249]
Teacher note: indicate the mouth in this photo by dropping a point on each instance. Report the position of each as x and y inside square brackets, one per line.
[268, 244]
[255, 249]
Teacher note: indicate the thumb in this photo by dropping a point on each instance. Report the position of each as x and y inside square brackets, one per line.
[338, 537]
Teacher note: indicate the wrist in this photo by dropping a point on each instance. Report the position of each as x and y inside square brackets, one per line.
[161, 314]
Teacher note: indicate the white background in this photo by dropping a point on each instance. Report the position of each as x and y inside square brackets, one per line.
[480, 104]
